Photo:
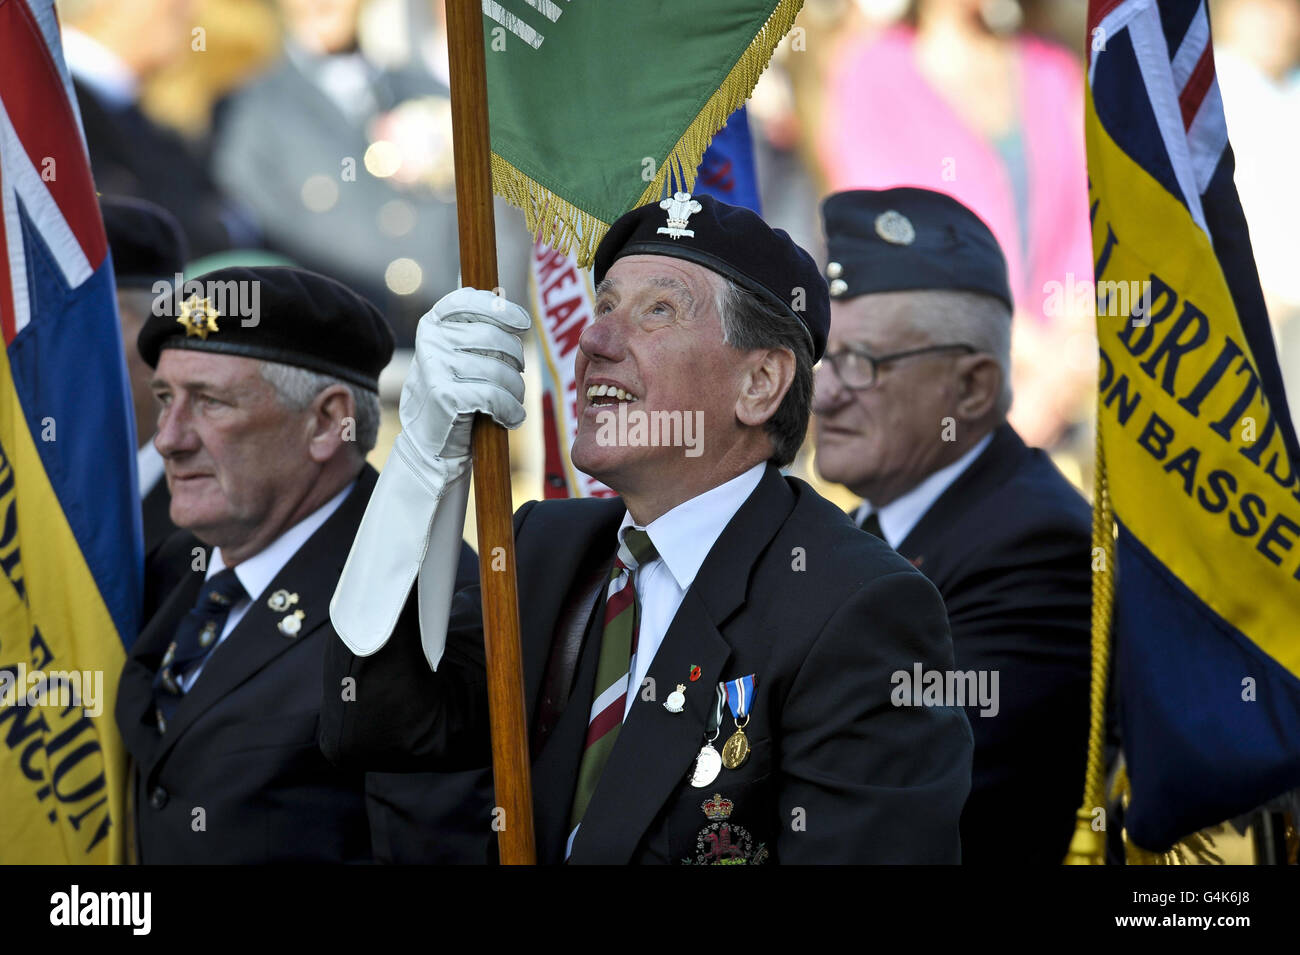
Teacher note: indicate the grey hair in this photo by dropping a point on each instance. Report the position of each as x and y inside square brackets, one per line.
[748, 323]
[972, 318]
[296, 388]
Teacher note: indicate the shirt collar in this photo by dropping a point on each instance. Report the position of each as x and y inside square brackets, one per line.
[898, 517]
[150, 467]
[257, 572]
[100, 68]
[684, 536]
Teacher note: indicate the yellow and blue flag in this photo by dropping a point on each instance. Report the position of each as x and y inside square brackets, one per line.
[1197, 454]
[70, 538]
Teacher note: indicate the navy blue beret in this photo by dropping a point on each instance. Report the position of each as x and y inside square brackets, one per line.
[906, 239]
[274, 313]
[145, 239]
[732, 241]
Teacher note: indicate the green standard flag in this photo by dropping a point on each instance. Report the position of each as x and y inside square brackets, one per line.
[597, 107]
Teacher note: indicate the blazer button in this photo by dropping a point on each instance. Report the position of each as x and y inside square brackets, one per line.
[158, 798]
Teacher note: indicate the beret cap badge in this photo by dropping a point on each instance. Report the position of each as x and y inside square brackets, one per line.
[895, 228]
[198, 317]
[680, 209]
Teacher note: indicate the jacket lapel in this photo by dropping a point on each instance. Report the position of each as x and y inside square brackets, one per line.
[989, 469]
[656, 748]
[312, 574]
[575, 546]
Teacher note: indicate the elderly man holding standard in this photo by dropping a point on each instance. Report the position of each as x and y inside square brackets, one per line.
[911, 407]
[707, 658]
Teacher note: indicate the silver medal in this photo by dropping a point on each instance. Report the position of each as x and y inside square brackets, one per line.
[707, 766]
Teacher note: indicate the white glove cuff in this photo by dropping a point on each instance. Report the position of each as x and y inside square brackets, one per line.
[416, 502]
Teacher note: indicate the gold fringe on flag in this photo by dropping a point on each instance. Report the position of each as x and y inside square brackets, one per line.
[565, 227]
[1088, 846]
[1196, 849]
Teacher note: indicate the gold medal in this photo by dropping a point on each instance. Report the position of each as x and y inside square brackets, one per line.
[736, 750]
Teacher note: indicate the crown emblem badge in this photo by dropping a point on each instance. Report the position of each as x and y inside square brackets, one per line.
[722, 842]
[198, 317]
[717, 807]
[680, 208]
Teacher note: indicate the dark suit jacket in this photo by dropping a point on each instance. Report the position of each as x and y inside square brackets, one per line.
[790, 592]
[432, 818]
[1008, 544]
[242, 743]
[131, 155]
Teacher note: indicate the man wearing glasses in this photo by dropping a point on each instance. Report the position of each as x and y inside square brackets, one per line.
[910, 408]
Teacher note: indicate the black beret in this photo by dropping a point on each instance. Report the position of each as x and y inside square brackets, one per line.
[732, 241]
[278, 314]
[145, 239]
[899, 240]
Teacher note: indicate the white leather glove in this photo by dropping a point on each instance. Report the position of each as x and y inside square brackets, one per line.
[468, 359]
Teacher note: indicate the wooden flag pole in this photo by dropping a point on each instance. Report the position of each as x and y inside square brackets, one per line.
[496, 542]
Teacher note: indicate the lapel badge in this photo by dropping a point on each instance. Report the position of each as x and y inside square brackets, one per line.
[198, 317]
[680, 208]
[695, 673]
[291, 624]
[676, 701]
[895, 228]
[722, 842]
[281, 601]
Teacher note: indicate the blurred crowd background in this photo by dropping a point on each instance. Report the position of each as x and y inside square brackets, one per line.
[318, 132]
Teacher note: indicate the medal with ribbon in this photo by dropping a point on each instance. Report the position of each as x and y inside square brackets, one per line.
[708, 763]
[740, 696]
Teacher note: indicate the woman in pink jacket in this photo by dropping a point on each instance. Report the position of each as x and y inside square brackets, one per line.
[995, 120]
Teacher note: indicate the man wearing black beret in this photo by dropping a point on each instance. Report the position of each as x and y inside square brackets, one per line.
[912, 398]
[267, 386]
[147, 248]
[707, 658]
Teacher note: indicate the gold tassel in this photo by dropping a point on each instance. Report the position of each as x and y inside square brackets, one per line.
[567, 228]
[1088, 847]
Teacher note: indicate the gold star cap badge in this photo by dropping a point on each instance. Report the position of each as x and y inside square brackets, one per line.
[198, 317]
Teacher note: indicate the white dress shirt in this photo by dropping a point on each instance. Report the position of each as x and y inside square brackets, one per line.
[149, 467]
[257, 572]
[683, 538]
[899, 516]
